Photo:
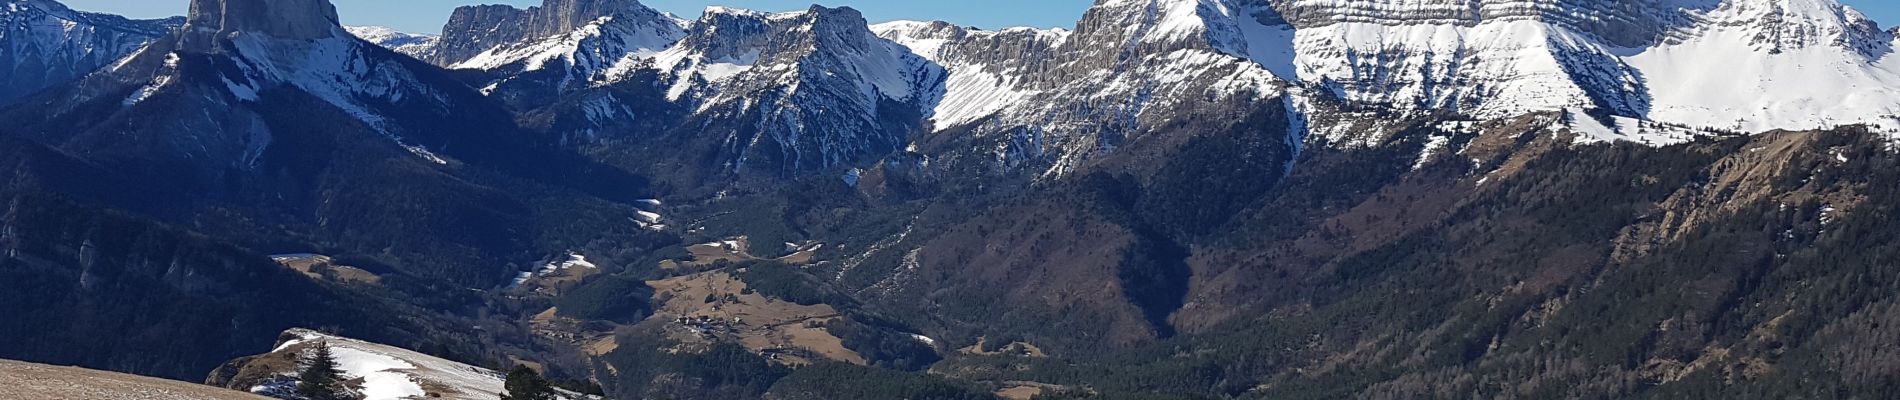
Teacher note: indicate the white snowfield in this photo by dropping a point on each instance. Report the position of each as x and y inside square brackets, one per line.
[393, 373]
[383, 376]
[1723, 77]
[972, 90]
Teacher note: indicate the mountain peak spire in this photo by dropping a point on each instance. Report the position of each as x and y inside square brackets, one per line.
[212, 20]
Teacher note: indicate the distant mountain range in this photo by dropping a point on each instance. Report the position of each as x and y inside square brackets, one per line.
[46, 44]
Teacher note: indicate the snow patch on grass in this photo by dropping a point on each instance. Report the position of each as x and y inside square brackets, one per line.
[384, 377]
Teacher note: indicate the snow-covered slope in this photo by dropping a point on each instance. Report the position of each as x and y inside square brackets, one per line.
[988, 71]
[43, 43]
[270, 110]
[1748, 65]
[721, 44]
[387, 372]
[1756, 65]
[326, 62]
[584, 54]
[1049, 102]
[415, 45]
[825, 46]
[583, 34]
[229, 64]
[816, 87]
[787, 91]
[1492, 69]
[338, 69]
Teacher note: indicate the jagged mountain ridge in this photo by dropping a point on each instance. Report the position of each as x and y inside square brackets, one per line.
[506, 32]
[792, 91]
[583, 55]
[1494, 59]
[819, 90]
[1635, 71]
[43, 43]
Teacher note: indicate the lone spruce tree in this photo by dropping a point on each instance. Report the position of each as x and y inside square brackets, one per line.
[321, 379]
[525, 384]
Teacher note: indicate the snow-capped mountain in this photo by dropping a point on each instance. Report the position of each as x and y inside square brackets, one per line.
[252, 48]
[988, 70]
[1743, 65]
[1754, 65]
[1049, 102]
[630, 31]
[420, 46]
[530, 57]
[1670, 61]
[816, 90]
[722, 43]
[1653, 70]
[44, 43]
[270, 109]
[584, 34]
[801, 90]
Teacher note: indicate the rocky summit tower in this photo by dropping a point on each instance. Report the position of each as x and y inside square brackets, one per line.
[213, 21]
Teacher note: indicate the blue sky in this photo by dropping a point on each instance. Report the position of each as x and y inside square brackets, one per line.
[427, 16]
[1885, 11]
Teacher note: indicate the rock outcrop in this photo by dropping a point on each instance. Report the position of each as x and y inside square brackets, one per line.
[212, 21]
[473, 30]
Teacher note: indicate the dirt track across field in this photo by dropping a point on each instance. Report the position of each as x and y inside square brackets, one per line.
[19, 380]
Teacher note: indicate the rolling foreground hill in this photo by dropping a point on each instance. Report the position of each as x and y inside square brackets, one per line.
[20, 380]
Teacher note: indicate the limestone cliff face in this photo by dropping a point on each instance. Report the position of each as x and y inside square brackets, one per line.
[1624, 23]
[472, 30]
[827, 82]
[1776, 24]
[210, 21]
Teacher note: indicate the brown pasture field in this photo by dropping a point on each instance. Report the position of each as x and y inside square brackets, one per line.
[761, 324]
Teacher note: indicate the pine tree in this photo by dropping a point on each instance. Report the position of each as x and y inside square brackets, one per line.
[321, 379]
[525, 384]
